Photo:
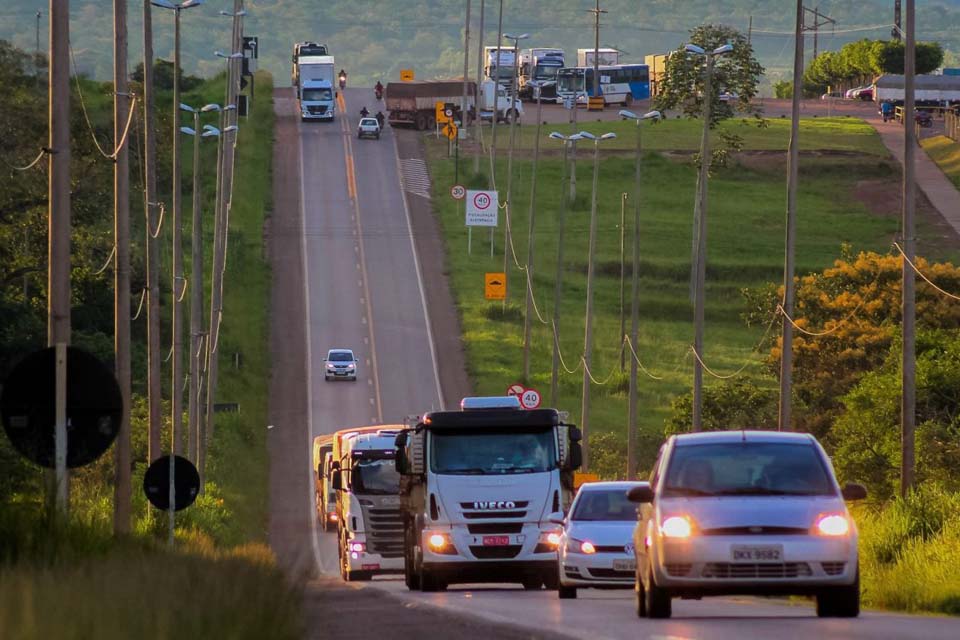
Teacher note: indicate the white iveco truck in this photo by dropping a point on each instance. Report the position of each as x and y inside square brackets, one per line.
[478, 488]
[364, 476]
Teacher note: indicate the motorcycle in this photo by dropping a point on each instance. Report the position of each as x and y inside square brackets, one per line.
[364, 113]
[378, 93]
[380, 118]
[343, 83]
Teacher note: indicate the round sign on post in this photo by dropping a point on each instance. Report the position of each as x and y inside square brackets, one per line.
[481, 201]
[94, 407]
[458, 192]
[515, 390]
[186, 483]
[530, 399]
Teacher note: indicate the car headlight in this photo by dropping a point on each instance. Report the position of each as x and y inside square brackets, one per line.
[676, 527]
[832, 525]
[580, 546]
[330, 365]
[351, 366]
[549, 538]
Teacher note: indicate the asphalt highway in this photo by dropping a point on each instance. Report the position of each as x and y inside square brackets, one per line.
[363, 289]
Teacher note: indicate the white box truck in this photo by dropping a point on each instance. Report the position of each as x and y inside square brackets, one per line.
[502, 70]
[608, 57]
[495, 99]
[315, 89]
[478, 489]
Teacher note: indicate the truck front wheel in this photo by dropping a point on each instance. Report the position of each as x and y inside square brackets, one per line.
[421, 122]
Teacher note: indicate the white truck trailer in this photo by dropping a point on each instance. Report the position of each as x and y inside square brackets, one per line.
[325, 496]
[608, 57]
[926, 89]
[478, 489]
[539, 67]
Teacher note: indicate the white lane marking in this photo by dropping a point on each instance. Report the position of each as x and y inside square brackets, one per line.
[369, 382]
[414, 176]
[317, 556]
[366, 340]
[423, 297]
[372, 402]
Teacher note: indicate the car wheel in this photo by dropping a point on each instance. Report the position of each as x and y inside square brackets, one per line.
[567, 593]
[641, 595]
[657, 600]
[551, 581]
[532, 584]
[840, 602]
[410, 574]
[429, 582]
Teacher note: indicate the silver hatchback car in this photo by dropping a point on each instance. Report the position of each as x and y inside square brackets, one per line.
[745, 512]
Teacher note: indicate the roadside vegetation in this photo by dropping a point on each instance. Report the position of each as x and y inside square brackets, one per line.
[61, 581]
[946, 153]
[848, 267]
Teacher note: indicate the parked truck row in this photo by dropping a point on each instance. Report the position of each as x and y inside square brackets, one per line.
[414, 103]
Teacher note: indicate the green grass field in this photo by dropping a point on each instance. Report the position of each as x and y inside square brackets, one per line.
[745, 249]
[946, 153]
[835, 135]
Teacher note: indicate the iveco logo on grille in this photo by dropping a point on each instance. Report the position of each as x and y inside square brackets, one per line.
[494, 504]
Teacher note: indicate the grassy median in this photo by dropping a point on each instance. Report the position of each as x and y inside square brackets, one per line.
[946, 153]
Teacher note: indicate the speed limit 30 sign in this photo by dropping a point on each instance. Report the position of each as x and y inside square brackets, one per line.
[458, 192]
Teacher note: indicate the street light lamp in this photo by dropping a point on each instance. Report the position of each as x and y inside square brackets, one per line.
[634, 295]
[567, 142]
[700, 223]
[196, 271]
[588, 319]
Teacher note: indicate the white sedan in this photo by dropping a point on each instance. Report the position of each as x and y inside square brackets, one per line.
[746, 512]
[596, 545]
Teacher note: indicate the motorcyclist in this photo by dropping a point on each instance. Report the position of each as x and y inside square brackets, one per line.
[364, 113]
[343, 78]
[380, 118]
[378, 90]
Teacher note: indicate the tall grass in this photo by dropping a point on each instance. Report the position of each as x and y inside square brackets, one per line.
[910, 551]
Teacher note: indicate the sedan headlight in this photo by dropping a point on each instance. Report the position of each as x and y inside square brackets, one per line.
[351, 366]
[832, 525]
[580, 546]
[676, 527]
[330, 365]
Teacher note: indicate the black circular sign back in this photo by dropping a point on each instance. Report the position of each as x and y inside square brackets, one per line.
[186, 483]
[94, 407]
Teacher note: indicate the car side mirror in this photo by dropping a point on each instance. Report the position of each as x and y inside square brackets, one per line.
[337, 480]
[642, 494]
[556, 518]
[854, 491]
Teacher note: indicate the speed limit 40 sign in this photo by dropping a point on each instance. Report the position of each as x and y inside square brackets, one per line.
[482, 208]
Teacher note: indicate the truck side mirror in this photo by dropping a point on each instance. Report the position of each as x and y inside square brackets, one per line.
[575, 434]
[401, 440]
[337, 480]
[576, 456]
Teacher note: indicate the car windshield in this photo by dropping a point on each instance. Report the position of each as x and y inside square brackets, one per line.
[747, 469]
[317, 95]
[492, 452]
[340, 356]
[607, 505]
[376, 476]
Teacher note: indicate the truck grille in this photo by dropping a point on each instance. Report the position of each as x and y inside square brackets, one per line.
[496, 553]
[756, 570]
[318, 109]
[495, 528]
[385, 531]
[518, 510]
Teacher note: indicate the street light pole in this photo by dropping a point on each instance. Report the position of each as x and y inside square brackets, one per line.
[588, 316]
[507, 242]
[476, 97]
[635, 297]
[908, 399]
[567, 142]
[700, 215]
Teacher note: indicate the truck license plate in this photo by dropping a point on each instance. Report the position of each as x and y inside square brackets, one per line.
[624, 565]
[764, 553]
[496, 541]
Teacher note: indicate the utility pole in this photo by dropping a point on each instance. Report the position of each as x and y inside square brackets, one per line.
[701, 253]
[596, 47]
[819, 20]
[466, 74]
[178, 284]
[121, 281]
[750, 30]
[623, 328]
[223, 224]
[476, 98]
[196, 300]
[58, 269]
[153, 222]
[895, 32]
[507, 242]
[496, 110]
[527, 322]
[908, 367]
[558, 283]
[573, 149]
[36, 55]
[634, 318]
[784, 422]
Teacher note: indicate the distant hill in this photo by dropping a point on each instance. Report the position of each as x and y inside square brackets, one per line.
[374, 39]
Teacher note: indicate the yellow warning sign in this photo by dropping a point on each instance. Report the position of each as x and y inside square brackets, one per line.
[595, 104]
[583, 478]
[406, 75]
[495, 286]
[449, 130]
[441, 115]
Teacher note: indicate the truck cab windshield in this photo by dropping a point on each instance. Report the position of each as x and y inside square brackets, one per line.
[546, 73]
[491, 452]
[375, 477]
[317, 95]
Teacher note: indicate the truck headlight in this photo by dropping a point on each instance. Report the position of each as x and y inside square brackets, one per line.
[440, 542]
[356, 548]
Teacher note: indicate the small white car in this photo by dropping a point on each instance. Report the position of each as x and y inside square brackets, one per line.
[368, 128]
[596, 545]
[340, 363]
[746, 512]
